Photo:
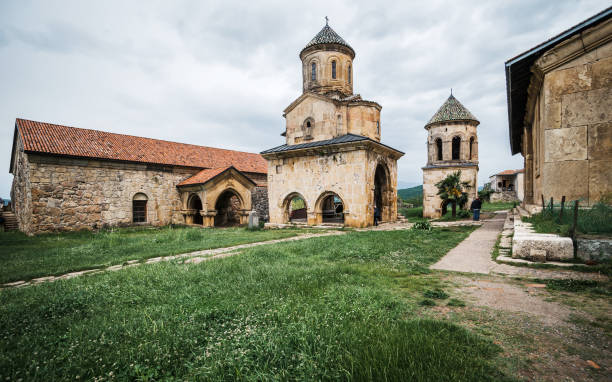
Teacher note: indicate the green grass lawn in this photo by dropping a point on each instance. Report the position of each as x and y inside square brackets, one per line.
[23, 257]
[413, 215]
[497, 206]
[595, 221]
[331, 308]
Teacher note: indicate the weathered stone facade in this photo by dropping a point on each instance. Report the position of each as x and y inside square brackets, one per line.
[57, 193]
[566, 138]
[333, 159]
[452, 145]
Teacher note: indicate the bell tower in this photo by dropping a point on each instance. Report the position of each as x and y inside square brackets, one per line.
[452, 145]
[327, 63]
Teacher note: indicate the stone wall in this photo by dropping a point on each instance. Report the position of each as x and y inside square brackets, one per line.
[568, 150]
[21, 188]
[259, 198]
[503, 196]
[348, 174]
[432, 204]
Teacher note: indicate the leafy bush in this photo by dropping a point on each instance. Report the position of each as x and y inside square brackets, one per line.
[422, 225]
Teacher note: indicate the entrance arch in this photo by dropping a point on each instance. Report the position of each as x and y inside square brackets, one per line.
[195, 203]
[381, 191]
[330, 207]
[228, 206]
[295, 209]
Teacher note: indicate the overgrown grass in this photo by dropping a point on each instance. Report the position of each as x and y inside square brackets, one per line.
[497, 206]
[595, 220]
[23, 257]
[320, 309]
[413, 215]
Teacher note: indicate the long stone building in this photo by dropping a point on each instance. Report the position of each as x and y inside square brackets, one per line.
[67, 178]
[560, 114]
[452, 145]
[332, 161]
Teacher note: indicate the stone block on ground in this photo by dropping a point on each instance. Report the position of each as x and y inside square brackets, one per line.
[538, 255]
[594, 249]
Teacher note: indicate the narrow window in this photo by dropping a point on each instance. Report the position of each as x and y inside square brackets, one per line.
[439, 148]
[279, 169]
[349, 74]
[456, 148]
[471, 148]
[139, 208]
[334, 70]
[378, 127]
[339, 127]
[307, 128]
[313, 72]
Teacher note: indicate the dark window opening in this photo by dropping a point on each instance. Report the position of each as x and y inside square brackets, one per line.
[334, 70]
[139, 211]
[472, 148]
[349, 74]
[456, 148]
[439, 148]
[313, 72]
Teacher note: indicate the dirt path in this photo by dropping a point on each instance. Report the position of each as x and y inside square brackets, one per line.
[473, 255]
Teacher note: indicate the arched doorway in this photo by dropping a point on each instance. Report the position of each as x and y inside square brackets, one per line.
[228, 208]
[295, 209]
[381, 188]
[195, 203]
[331, 208]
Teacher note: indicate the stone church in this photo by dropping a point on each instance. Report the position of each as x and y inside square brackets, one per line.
[67, 178]
[452, 145]
[332, 161]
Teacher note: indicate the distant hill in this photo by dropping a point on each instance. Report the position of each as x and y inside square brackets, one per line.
[412, 192]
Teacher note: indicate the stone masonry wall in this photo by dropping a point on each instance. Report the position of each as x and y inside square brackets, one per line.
[21, 188]
[69, 194]
[432, 204]
[259, 200]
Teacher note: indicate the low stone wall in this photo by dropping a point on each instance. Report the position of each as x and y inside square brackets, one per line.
[594, 249]
[503, 196]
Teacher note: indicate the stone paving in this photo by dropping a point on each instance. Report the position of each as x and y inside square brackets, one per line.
[473, 255]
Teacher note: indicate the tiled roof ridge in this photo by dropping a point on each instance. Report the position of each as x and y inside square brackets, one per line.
[136, 136]
[452, 110]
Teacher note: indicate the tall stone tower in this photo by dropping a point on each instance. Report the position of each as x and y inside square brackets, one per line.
[332, 161]
[452, 145]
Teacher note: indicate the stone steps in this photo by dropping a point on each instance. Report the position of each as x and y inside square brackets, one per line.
[10, 221]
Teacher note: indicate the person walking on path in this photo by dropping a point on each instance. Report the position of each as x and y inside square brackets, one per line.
[475, 206]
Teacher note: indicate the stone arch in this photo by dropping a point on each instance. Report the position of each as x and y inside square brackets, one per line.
[456, 147]
[317, 70]
[308, 126]
[439, 149]
[339, 66]
[473, 147]
[194, 203]
[330, 207]
[382, 189]
[291, 214]
[139, 207]
[228, 205]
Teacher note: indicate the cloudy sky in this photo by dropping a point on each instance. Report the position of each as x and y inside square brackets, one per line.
[219, 73]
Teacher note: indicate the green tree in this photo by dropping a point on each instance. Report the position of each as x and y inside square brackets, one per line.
[452, 190]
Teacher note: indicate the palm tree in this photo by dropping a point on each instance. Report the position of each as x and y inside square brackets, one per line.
[452, 190]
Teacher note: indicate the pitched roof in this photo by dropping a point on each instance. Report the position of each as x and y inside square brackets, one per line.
[47, 138]
[208, 174]
[510, 172]
[347, 138]
[328, 36]
[452, 110]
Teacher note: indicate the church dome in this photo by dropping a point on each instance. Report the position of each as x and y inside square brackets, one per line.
[327, 36]
[452, 110]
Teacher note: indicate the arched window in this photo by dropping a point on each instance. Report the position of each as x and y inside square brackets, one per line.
[472, 148]
[313, 71]
[439, 148]
[139, 208]
[308, 127]
[456, 148]
[348, 72]
[334, 70]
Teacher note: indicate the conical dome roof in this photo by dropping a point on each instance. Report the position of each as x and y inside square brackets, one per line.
[452, 110]
[327, 36]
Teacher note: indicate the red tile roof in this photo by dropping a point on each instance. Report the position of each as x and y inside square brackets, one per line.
[510, 172]
[203, 176]
[48, 138]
